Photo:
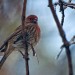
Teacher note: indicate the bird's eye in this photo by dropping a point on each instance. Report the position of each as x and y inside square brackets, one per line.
[30, 18]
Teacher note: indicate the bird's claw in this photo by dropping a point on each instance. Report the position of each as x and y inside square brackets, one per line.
[26, 57]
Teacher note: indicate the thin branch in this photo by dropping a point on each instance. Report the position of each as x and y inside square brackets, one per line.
[62, 5]
[24, 34]
[63, 36]
[59, 53]
[69, 1]
[66, 4]
[62, 11]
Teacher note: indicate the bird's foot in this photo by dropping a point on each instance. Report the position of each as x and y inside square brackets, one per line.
[25, 56]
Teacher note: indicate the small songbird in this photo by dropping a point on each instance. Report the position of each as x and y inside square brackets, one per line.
[32, 32]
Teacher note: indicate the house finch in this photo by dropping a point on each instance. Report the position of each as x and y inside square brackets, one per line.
[32, 32]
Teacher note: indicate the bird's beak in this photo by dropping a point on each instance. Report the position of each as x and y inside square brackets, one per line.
[34, 21]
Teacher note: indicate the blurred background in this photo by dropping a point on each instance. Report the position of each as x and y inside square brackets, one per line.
[50, 42]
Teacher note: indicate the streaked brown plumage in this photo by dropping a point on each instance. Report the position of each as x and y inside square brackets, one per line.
[32, 32]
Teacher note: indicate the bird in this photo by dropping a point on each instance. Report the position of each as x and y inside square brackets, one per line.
[15, 40]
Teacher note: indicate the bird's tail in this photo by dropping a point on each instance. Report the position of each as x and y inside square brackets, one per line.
[2, 61]
[6, 54]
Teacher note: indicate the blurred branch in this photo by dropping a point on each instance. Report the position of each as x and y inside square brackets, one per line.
[24, 34]
[63, 36]
[69, 1]
[66, 4]
[62, 11]
[63, 5]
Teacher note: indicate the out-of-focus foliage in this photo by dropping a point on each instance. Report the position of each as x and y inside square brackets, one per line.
[50, 42]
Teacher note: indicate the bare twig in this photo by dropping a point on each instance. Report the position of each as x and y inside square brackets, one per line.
[72, 41]
[73, 38]
[69, 1]
[62, 5]
[62, 11]
[63, 36]
[66, 4]
[59, 53]
[24, 34]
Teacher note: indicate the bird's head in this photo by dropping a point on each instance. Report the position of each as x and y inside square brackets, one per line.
[32, 19]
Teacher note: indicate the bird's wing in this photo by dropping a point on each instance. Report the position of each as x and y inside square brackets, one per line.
[29, 28]
[4, 45]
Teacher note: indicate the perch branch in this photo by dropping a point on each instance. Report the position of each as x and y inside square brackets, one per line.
[24, 34]
[24, 40]
[63, 36]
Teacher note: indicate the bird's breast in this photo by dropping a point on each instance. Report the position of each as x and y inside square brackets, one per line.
[32, 36]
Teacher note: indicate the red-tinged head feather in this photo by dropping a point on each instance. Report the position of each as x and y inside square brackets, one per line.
[32, 16]
[32, 19]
